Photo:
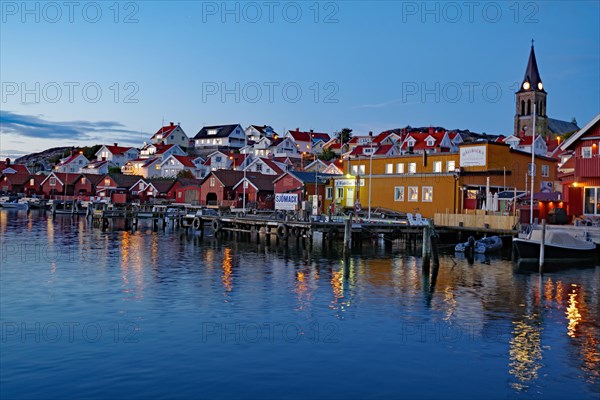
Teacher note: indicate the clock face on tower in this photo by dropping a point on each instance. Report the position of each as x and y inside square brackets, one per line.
[526, 85]
[540, 86]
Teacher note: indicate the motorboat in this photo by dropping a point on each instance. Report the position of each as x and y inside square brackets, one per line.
[14, 204]
[558, 245]
[482, 246]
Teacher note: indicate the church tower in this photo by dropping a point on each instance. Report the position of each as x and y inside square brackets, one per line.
[531, 92]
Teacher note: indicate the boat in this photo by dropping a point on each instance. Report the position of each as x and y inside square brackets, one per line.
[14, 204]
[558, 245]
[482, 246]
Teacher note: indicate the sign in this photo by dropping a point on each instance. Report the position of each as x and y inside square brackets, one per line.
[348, 182]
[286, 201]
[315, 204]
[473, 156]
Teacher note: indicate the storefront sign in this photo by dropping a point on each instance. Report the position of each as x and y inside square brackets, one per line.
[348, 182]
[286, 201]
[473, 156]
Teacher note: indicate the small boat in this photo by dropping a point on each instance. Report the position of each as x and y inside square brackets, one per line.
[482, 246]
[488, 245]
[15, 204]
[558, 245]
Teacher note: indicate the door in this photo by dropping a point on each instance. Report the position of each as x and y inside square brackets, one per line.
[350, 197]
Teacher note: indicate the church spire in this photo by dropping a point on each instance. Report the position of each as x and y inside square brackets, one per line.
[532, 80]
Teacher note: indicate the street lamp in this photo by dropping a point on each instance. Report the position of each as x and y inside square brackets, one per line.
[456, 175]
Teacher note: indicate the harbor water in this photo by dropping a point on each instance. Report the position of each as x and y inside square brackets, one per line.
[88, 313]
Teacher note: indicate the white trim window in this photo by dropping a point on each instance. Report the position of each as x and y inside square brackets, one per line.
[340, 193]
[52, 181]
[358, 170]
[427, 194]
[437, 167]
[586, 152]
[412, 168]
[413, 193]
[450, 166]
[389, 168]
[399, 193]
[328, 193]
[400, 168]
[545, 170]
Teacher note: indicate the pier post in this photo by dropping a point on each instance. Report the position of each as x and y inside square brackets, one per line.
[542, 246]
[434, 245]
[347, 233]
[426, 252]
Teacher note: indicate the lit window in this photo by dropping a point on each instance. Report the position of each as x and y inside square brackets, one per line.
[413, 193]
[427, 193]
[437, 166]
[389, 168]
[586, 152]
[450, 166]
[141, 186]
[412, 168]
[399, 193]
[83, 181]
[31, 182]
[106, 182]
[212, 182]
[400, 168]
[358, 170]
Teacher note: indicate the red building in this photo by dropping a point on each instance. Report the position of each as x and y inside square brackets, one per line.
[259, 191]
[579, 171]
[218, 187]
[305, 184]
[58, 185]
[188, 191]
[14, 183]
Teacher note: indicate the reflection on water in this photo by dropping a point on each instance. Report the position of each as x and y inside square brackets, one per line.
[525, 351]
[518, 333]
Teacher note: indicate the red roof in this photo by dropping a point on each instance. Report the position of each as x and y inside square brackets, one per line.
[18, 178]
[308, 136]
[17, 167]
[272, 165]
[186, 161]
[165, 130]
[70, 159]
[161, 148]
[383, 149]
[117, 149]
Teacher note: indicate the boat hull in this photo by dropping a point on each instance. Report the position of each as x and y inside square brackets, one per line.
[530, 250]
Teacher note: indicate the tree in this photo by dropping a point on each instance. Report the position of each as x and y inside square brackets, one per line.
[327, 154]
[344, 135]
[185, 173]
[114, 170]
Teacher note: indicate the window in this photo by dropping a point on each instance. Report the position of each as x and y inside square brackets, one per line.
[399, 193]
[400, 168]
[157, 166]
[258, 167]
[431, 142]
[389, 168]
[211, 132]
[586, 152]
[141, 186]
[412, 168]
[328, 193]
[450, 166]
[179, 194]
[83, 181]
[413, 193]
[212, 182]
[427, 193]
[437, 166]
[107, 182]
[52, 181]
[218, 158]
[340, 193]
[545, 170]
[591, 201]
[358, 170]
[31, 181]
[245, 184]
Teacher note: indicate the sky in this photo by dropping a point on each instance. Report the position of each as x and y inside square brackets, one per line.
[80, 73]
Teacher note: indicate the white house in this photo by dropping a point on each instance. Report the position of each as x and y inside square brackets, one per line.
[172, 165]
[283, 147]
[161, 151]
[266, 166]
[523, 143]
[256, 132]
[72, 164]
[220, 136]
[96, 168]
[117, 155]
[171, 134]
[304, 140]
[146, 167]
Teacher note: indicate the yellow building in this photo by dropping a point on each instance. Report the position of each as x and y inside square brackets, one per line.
[437, 182]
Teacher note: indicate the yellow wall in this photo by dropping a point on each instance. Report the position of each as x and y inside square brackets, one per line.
[444, 185]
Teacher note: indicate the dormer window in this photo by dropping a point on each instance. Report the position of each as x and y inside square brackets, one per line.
[430, 142]
[211, 132]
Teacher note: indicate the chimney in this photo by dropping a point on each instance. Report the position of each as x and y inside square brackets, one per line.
[431, 130]
[371, 133]
[116, 144]
[172, 124]
[297, 129]
[311, 131]
[8, 162]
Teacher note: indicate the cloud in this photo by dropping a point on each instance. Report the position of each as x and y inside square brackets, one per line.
[40, 128]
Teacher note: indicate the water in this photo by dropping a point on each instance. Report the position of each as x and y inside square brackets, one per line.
[93, 314]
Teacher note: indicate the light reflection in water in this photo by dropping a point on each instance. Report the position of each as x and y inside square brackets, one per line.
[525, 351]
[573, 314]
[226, 277]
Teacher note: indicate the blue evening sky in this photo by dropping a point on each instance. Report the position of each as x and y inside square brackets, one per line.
[369, 66]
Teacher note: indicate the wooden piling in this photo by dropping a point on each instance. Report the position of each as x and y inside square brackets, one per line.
[542, 246]
[347, 233]
[426, 251]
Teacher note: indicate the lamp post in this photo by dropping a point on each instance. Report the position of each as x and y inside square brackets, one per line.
[244, 184]
[456, 175]
[532, 168]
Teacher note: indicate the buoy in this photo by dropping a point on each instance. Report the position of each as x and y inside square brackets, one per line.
[196, 223]
[216, 225]
[282, 231]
